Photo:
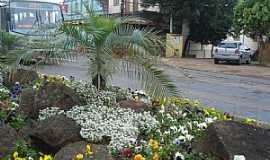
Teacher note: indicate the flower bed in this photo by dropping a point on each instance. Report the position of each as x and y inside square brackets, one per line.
[165, 133]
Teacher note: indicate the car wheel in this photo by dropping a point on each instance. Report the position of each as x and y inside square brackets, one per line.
[216, 61]
[238, 62]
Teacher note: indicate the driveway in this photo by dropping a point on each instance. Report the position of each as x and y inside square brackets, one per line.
[208, 65]
[246, 94]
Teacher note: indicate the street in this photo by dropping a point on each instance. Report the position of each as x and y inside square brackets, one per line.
[247, 96]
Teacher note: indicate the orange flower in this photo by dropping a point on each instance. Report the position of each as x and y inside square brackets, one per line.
[139, 157]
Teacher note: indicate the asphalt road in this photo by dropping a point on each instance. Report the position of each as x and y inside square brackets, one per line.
[238, 95]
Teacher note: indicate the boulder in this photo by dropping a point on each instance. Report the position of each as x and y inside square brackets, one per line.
[27, 102]
[56, 94]
[135, 105]
[22, 76]
[8, 137]
[26, 131]
[224, 139]
[54, 133]
[100, 152]
[53, 94]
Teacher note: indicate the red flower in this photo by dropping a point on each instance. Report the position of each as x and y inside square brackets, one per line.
[127, 152]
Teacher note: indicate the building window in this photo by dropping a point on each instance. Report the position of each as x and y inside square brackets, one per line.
[116, 2]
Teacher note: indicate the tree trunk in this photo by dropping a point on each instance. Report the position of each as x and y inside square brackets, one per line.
[186, 35]
[99, 82]
[261, 49]
[212, 51]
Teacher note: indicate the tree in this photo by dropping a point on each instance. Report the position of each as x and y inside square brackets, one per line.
[252, 17]
[46, 48]
[209, 20]
[102, 36]
[8, 51]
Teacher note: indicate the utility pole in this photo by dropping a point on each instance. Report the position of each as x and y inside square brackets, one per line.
[171, 23]
[122, 7]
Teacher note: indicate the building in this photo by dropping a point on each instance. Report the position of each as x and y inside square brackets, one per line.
[3, 15]
[75, 9]
[129, 7]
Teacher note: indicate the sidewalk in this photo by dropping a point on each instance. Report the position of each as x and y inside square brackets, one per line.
[254, 71]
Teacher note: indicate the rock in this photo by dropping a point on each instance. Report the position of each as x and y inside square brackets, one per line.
[225, 139]
[53, 94]
[27, 102]
[100, 152]
[26, 131]
[56, 94]
[8, 137]
[54, 133]
[22, 76]
[136, 106]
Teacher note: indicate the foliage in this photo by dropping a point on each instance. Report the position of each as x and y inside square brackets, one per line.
[252, 17]
[209, 20]
[4, 93]
[17, 121]
[213, 22]
[180, 122]
[25, 152]
[88, 155]
[8, 51]
[47, 48]
[99, 37]
[7, 41]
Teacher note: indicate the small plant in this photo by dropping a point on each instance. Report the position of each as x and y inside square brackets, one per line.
[3, 116]
[4, 93]
[88, 155]
[18, 121]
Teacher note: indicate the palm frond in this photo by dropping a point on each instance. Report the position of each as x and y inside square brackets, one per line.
[153, 81]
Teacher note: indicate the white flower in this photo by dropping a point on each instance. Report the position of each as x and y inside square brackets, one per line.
[179, 140]
[184, 115]
[189, 137]
[209, 120]
[202, 125]
[162, 110]
[121, 125]
[239, 157]
[179, 156]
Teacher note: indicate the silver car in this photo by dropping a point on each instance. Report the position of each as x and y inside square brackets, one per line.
[232, 51]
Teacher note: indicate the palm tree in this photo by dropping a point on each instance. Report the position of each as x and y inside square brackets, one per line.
[46, 48]
[27, 52]
[102, 36]
[8, 53]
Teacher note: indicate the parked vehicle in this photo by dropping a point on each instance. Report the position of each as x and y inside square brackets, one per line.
[232, 51]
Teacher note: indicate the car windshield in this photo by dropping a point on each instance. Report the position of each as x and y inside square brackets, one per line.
[227, 45]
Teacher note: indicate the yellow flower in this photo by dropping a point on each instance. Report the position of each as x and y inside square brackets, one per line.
[155, 157]
[79, 156]
[41, 158]
[139, 157]
[153, 144]
[206, 113]
[88, 151]
[48, 157]
[249, 121]
[15, 155]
